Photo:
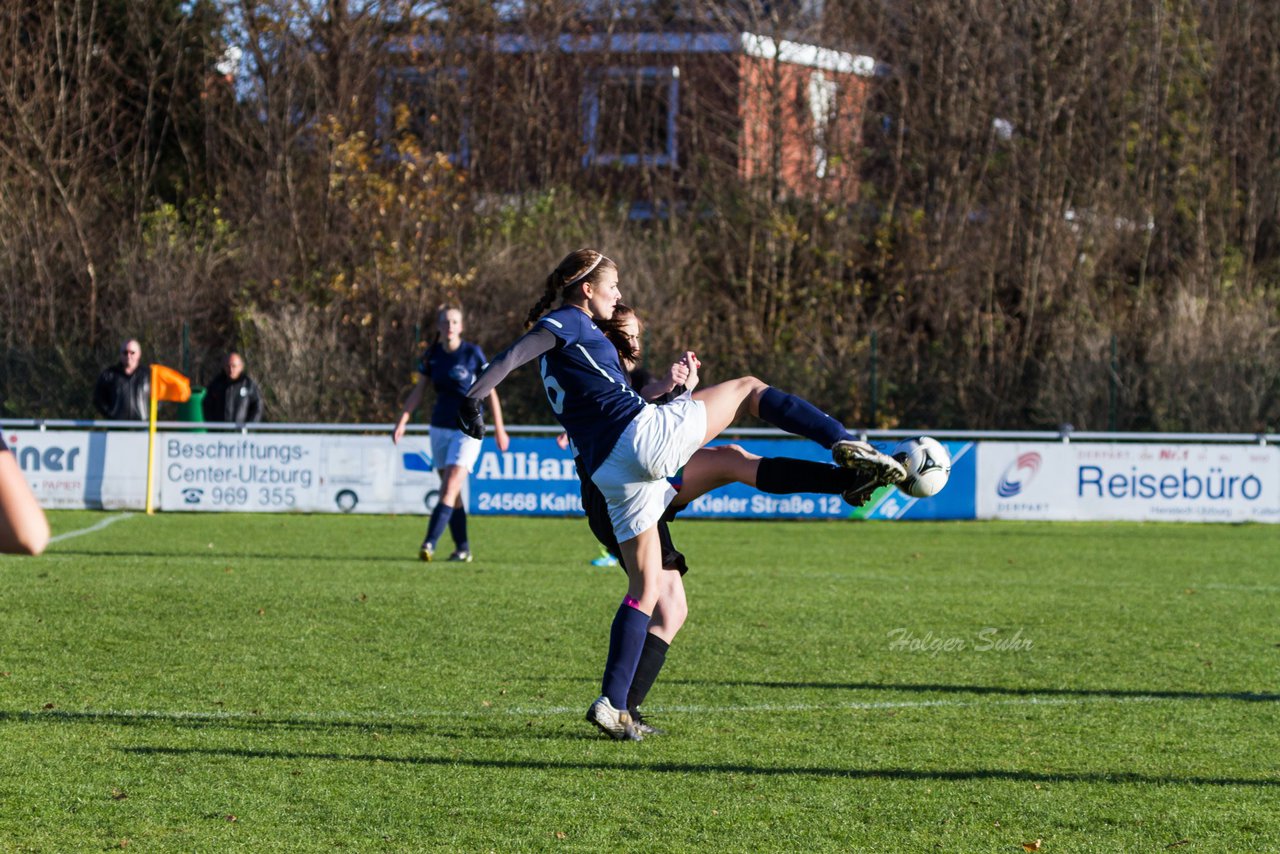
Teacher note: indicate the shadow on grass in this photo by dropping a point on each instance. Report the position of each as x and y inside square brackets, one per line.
[997, 690]
[702, 768]
[410, 556]
[482, 726]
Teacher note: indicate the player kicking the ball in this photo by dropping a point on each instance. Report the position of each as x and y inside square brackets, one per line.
[629, 447]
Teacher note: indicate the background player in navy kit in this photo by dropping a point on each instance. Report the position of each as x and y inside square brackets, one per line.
[630, 447]
[450, 365]
[706, 470]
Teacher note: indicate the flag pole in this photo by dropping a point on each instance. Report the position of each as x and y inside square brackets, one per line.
[151, 445]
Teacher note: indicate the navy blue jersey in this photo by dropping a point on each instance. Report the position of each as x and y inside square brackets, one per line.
[585, 384]
[451, 375]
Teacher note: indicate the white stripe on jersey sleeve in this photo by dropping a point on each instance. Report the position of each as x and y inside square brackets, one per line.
[557, 324]
[587, 355]
[605, 373]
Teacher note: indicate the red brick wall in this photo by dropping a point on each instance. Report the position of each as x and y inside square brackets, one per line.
[778, 128]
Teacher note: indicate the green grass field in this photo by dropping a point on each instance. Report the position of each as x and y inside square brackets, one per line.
[240, 682]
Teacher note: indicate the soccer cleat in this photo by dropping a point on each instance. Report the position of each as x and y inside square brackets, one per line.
[461, 556]
[642, 726]
[612, 722]
[427, 552]
[860, 456]
[605, 559]
[861, 490]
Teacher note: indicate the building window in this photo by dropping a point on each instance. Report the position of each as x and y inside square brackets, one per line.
[822, 113]
[629, 116]
[430, 106]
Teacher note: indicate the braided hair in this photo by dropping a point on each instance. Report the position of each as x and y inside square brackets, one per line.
[577, 267]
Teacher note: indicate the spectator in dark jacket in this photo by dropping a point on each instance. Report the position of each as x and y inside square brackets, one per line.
[123, 391]
[233, 395]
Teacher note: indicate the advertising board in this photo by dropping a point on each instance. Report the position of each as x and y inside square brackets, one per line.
[1156, 482]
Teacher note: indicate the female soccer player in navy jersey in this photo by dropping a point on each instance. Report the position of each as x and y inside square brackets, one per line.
[630, 447]
[450, 365]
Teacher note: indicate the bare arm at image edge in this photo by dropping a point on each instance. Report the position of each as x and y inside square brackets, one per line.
[529, 347]
[23, 527]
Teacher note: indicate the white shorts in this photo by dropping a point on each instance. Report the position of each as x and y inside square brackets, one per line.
[453, 448]
[633, 478]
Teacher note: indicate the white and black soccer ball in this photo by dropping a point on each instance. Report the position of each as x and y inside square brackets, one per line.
[927, 463]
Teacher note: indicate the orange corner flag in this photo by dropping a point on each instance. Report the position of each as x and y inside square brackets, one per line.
[168, 384]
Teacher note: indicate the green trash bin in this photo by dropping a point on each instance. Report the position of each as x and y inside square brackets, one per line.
[193, 409]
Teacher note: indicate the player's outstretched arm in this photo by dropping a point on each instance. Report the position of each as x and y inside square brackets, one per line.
[530, 346]
[23, 526]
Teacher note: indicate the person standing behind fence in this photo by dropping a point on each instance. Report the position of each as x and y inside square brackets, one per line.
[450, 365]
[233, 395]
[123, 391]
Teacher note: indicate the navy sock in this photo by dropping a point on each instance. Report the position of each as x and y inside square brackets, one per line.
[626, 641]
[784, 476]
[652, 658]
[458, 529]
[800, 417]
[439, 519]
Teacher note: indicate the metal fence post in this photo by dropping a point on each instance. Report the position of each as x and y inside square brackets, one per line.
[875, 391]
[1113, 415]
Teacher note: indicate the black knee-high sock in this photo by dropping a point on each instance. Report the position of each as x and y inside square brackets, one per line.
[458, 529]
[439, 520]
[783, 476]
[652, 658]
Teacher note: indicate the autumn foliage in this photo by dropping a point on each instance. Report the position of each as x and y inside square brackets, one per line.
[1067, 212]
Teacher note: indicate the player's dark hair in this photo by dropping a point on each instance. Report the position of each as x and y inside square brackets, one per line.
[628, 349]
[582, 266]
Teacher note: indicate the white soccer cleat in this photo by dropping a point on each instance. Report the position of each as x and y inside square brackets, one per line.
[612, 722]
[860, 456]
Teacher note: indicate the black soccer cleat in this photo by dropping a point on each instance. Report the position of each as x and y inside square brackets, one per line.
[861, 487]
[643, 726]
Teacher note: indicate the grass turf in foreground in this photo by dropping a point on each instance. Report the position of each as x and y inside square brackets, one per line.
[210, 682]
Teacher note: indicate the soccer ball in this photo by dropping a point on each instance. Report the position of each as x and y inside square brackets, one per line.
[927, 463]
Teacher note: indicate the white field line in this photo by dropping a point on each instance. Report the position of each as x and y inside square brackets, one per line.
[1155, 587]
[374, 718]
[110, 520]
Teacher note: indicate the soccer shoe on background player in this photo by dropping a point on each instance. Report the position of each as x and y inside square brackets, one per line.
[612, 722]
[461, 556]
[426, 553]
[860, 456]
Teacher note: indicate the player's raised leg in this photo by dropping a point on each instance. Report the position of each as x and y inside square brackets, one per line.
[725, 401]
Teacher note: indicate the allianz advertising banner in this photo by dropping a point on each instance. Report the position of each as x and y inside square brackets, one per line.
[536, 477]
[1174, 482]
